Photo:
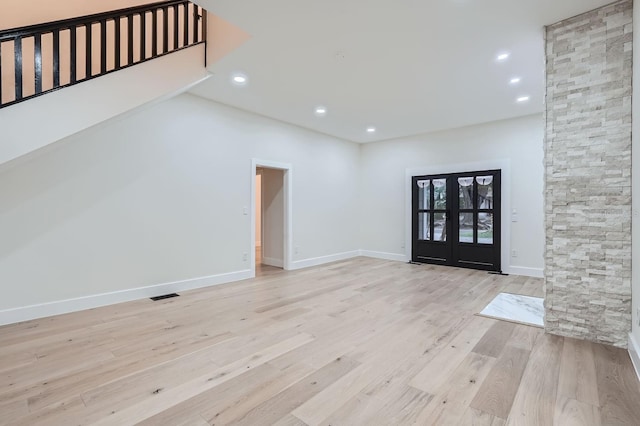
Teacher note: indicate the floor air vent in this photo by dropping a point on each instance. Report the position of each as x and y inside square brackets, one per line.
[164, 296]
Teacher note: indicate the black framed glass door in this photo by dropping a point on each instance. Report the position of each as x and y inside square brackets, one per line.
[456, 219]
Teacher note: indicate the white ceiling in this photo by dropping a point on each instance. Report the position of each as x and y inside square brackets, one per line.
[403, 66]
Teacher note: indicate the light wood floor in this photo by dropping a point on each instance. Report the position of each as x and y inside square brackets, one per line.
[359, 342]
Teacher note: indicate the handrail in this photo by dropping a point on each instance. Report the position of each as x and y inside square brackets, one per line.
[90, 46]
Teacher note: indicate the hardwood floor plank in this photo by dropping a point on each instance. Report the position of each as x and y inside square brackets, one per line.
[391, 381]
[231, 399]
[474, 417]
[533, 287]
[17, 360]
[571, 412]
[191, 419]
[578, 372]
[498, 390]
[290, 314]
[64, 387]
[618, 389]
[495, 339]
[451, 401]
[360, 327]
[302, 297]
[157, 402]
[535, 400]
[60, 414]
[356, 411]
[251, 396]
[524, 337]
[279, 406]
[440, 368]
[376, 358]
[26, 382]
[12, 411]
[403, 408]
[137, 387]
[330, 399]
[290, 420]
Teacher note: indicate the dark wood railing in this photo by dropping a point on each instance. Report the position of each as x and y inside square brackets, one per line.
[42, 58]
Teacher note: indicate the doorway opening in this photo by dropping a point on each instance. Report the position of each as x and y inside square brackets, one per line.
[456, 219]
[270, 211]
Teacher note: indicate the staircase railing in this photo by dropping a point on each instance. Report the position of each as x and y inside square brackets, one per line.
[38, 59]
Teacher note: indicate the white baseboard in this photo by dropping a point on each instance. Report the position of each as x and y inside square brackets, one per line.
[383, 255]
[527, 272]
[11, 316]
[306, 263]
[634, 353]
[512, 270]
[26, 313]
[270, 261]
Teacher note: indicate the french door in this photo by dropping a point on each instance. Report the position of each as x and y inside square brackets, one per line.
[456, 219]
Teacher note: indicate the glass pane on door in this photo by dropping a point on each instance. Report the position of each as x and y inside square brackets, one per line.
[466, 227]
[465, 192]
[424, 194]
[485, 228]
[440, 194]
[439, 227]
[424, 230]
[485, 192]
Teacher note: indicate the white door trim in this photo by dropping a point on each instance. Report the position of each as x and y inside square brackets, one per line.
[288, 209]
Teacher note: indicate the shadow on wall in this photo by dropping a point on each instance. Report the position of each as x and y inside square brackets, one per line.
[48, 178]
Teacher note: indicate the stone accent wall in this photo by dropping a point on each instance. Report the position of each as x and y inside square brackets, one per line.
[588, 175]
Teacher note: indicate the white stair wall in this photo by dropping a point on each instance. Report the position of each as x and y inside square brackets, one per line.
[36, 123]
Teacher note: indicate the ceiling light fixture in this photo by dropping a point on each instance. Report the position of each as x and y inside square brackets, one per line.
[523, 99]
[371, 129]
[515, 80]
[502, 57]
[321, 111]
[239, 79]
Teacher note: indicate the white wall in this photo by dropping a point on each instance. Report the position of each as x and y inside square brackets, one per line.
[160, 195]
[273, 217]
[33, 124]
[518, 142]
[634, 346]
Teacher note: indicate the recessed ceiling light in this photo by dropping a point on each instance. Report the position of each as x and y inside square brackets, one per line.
[371, 129]
[523, 99]
[321, 111]
[515, 80]
[502, 57]
[239, 79]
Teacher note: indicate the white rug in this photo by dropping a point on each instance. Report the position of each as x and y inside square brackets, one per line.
[514, 307]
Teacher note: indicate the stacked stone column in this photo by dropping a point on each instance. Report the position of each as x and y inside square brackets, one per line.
[588, 175]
